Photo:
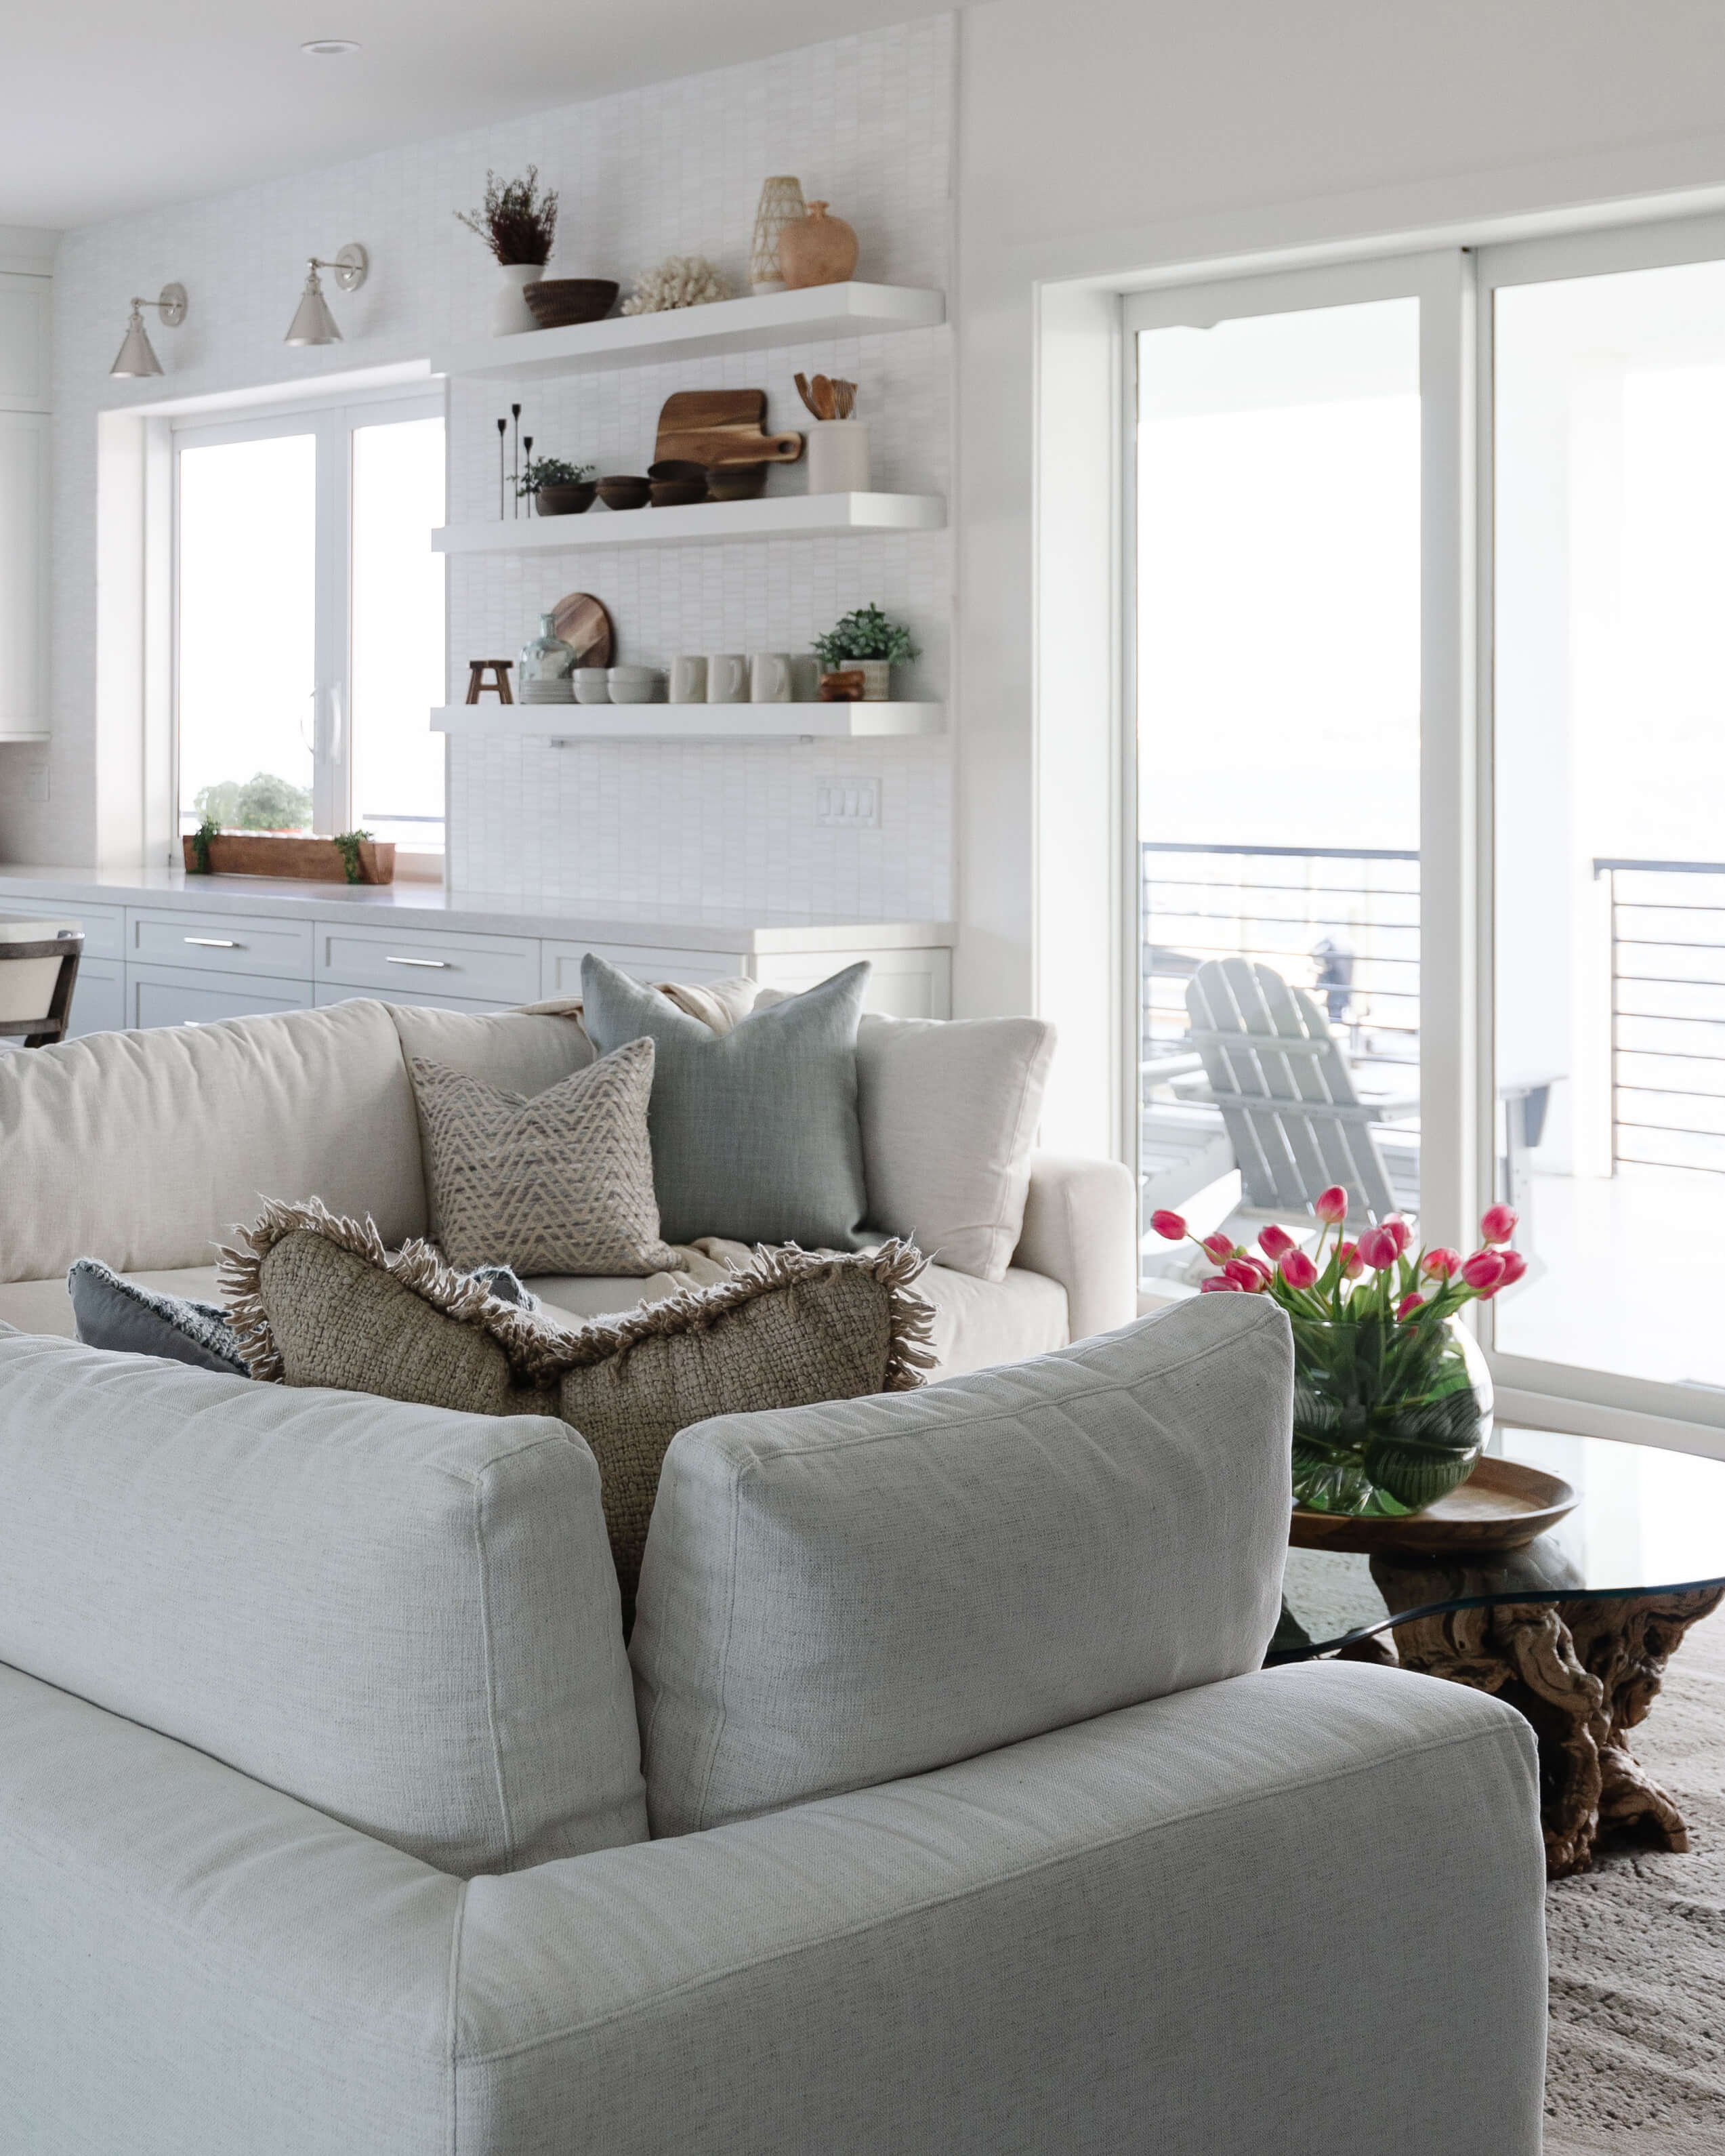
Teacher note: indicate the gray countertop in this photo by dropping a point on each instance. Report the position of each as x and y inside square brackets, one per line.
[430, 906]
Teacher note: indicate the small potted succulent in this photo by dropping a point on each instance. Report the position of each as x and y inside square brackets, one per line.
[865, 643]
[1392, 1401]
[555, 488]
[519, 224]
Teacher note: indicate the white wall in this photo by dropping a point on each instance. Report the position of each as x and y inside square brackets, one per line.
[1121, 138]
[865, 122]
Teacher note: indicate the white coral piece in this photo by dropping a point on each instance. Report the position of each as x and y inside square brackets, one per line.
[681, 280]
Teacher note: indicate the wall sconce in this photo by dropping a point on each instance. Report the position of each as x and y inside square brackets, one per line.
[313, 323]
[137, 356]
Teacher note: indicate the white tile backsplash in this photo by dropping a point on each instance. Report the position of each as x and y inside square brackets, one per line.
[673, 168]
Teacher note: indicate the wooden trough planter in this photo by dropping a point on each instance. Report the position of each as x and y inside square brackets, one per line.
[289, 854]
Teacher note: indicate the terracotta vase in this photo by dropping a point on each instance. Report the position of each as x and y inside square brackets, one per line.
[820, 250]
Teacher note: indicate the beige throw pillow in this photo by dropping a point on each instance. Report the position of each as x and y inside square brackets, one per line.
[318, 1301]
[558, 1183]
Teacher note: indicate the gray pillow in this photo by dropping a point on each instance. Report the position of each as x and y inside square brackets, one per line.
[754, 1132]
[119, 1314]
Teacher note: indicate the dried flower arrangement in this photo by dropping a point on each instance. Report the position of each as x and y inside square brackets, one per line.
[681, 280]
[517, 222]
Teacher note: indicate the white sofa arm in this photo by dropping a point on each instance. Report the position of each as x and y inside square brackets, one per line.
[1300, 1909]
[1080, 1229]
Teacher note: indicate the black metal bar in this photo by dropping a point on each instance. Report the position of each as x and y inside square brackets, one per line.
[1285, 853]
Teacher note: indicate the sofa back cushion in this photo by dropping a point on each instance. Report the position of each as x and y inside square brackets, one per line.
[526, 1051]
[403, 1616]
[833, 1597]
[142, 1149]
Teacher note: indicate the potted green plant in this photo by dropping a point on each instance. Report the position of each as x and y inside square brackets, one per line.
[1391, 1400]
[867, 643]
[519, 224]
[557, 489]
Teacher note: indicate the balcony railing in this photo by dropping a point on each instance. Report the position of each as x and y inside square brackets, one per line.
[1667, 930]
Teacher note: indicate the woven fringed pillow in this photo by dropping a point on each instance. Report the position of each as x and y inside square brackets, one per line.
[318, 1301]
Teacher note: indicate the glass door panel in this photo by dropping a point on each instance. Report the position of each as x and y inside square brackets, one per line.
[247, 631]
[397, 670]
[1608, 429]
[1278, 753]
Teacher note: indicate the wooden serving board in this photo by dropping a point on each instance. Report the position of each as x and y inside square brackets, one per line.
[1502, 1506]
[581, 620]
[285, 854]
[722, 427]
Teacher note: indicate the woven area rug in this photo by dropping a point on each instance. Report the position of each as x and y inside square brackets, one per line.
[1637, 2060]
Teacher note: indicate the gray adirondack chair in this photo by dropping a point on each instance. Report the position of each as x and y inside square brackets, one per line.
[1284, 1090]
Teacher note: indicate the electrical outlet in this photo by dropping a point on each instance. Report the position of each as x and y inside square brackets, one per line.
[848, 804]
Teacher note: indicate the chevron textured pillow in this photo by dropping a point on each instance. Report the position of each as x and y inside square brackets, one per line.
[561, 1183]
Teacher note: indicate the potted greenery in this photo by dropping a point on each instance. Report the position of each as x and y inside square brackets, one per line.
[1391, 1400]
[519, 224]
[557, 488]
[868, 644]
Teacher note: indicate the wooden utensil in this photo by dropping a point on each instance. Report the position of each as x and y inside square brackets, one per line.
[581, 620]
[844, 398]
[823, 397]
[802, 391]
[1503, 1505]
[722, 427]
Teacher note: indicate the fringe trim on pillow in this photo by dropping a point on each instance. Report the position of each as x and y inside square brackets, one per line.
[538, 1348]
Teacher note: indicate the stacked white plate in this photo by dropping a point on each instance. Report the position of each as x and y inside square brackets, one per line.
[548, 692]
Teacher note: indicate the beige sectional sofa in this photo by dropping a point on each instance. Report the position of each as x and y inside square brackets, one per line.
[145, 1149]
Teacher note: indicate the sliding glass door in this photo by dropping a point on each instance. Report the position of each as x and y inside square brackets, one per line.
[1295, 473]
[1607, 388]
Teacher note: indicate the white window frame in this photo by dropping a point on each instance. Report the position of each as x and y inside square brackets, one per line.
[1456, 286]
[333, 425]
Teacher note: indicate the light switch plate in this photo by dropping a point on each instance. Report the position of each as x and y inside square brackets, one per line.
[848, 804]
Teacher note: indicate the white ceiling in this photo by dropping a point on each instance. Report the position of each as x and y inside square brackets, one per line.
[114, 106]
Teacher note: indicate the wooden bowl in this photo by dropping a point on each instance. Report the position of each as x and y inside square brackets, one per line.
[679, 493]
[558, 303]
[574, 499]
[683, 468]
[1502, 1506]
[737, 482]
[625, 491]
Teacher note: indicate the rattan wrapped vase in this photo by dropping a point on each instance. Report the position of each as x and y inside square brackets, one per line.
[781, 204]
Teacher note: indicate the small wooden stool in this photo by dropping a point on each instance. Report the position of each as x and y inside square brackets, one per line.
[477, 670]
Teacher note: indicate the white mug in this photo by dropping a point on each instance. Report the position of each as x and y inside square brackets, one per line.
[727, 677]
[770, 677]
[688, 681]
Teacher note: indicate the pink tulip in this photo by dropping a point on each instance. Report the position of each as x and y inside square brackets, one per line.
[1218, 1284]
[1244, 1274]
[1218, 1247]
[1440, 1264]
[1398, 1230]
[1409, 1304]
[1330, 1205]
[1275, 1242]
[1352, 1266]
[1258, 1266]
[1483, 1271]
[1377, 1247]
[1514, 1265]
[1497, 1224]
[1297, 1269]
[1169, 1224]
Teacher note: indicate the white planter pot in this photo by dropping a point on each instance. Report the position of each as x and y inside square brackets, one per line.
[877, 679]
[509, 312]
[838, 454]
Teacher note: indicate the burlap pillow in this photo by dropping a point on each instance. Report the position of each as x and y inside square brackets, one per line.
[318, 1301]
[558, 1183]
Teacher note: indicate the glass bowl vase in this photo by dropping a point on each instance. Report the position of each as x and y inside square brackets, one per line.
[1389, 1415]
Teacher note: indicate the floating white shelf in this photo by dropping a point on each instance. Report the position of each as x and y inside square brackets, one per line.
[777, 318]
[23, 734]
[775, 516]
[493, 722]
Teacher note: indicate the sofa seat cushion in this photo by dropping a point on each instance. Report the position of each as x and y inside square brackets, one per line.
[404, 1617]
[43, 1305]
[838, 1595]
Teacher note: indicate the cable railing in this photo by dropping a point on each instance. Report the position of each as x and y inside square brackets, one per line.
[1342, 922]
[1667, 937]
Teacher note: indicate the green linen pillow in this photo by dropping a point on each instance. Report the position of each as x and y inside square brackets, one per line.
[318, 1301]
[754, 1132]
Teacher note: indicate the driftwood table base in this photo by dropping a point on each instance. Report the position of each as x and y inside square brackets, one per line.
[1583, 1673]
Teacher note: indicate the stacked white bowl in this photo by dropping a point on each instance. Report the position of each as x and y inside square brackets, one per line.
[633, 685]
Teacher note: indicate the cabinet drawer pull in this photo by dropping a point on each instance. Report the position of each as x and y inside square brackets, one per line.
[437, 965]
[212, 942]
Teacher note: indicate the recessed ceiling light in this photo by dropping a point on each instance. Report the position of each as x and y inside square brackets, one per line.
[330, 48]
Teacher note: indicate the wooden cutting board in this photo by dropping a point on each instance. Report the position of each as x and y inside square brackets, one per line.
[722, 427]
[580, 619]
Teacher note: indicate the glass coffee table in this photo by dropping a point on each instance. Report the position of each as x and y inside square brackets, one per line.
[1574, 1630]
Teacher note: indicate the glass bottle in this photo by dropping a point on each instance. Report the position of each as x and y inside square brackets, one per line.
[548, 666]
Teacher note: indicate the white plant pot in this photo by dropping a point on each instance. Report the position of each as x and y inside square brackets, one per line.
[837, 456]
[509, 312]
